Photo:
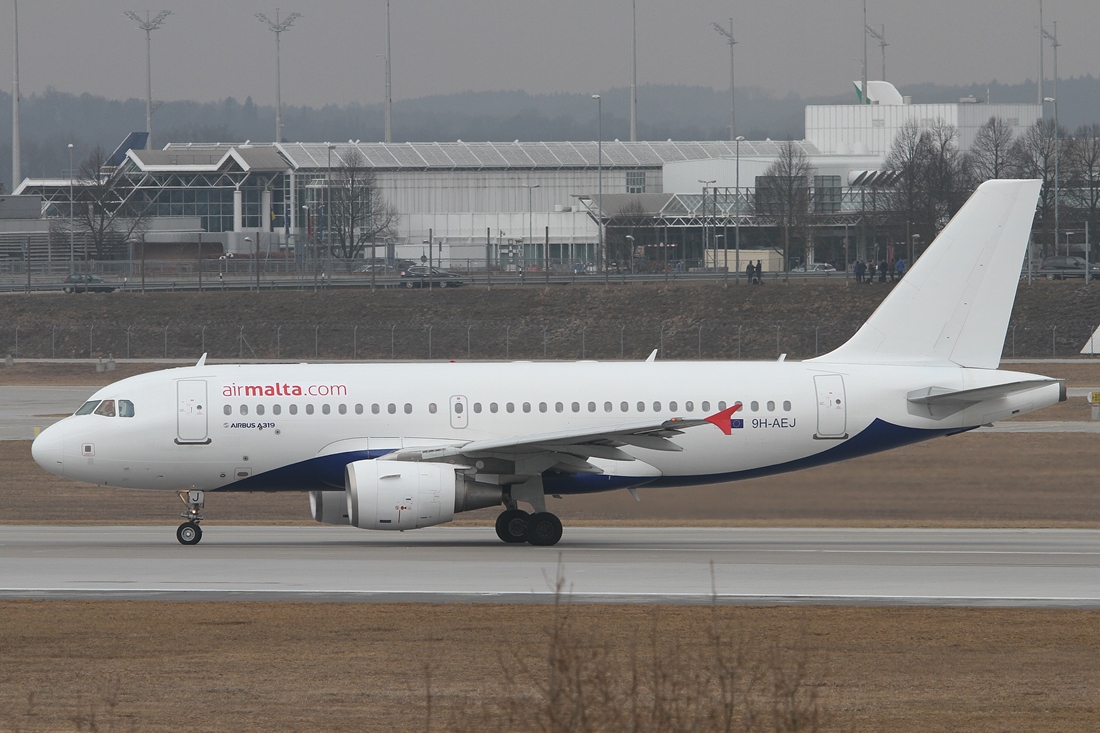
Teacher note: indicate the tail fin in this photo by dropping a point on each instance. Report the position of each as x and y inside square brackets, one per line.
[954, 304]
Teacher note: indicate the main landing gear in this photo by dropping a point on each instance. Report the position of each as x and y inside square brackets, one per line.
[189, 533]
[542, 529]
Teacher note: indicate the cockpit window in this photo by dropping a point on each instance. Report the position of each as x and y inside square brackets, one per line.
[106, 408]
[87, 408]
[125, 408]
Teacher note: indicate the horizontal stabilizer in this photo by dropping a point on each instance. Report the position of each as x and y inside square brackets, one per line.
[942, 396]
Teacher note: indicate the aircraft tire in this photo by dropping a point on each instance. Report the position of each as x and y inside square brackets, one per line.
[189, 533]
[543, 529]
[512, 526]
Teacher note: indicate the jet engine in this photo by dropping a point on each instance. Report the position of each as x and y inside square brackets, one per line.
[399, 495]
[329, 507]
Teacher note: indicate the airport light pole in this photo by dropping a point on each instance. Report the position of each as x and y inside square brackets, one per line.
[16, 152]
[599, 168]
[148, 26]
[706, 243]
[530, 221]
[732, 42]
[737, 222]
[389, 92]
[1053, 37]
[634, 71]
[277, 27]
[72, 247]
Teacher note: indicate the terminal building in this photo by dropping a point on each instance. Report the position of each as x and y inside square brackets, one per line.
[517, 205]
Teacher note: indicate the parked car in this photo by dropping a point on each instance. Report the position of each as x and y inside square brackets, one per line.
[1059, 268]
[418, 276]
[815, 267]
[86, 284]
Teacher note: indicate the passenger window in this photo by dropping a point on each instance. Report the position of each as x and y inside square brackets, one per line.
[342, 409]
[259, 409]
[358, 409]
[375, 408]
[228, 410]
[608, 407]
[89, 407]
[408, 408]
[276, 409]
[325, 409]
[432, 408]
[576, 407]
[689, 406]
[106, 408]
[771, 406]
[477, 407]
[244, 409]
[391, 408]
[458, 408]
[510, 407]
[559, 407]
[754, 406]
[722, 405]
[542, 407]
[672, 406]
[656, 406]
[641, 407]
[706, 405]
[293, 409]
[526, 406]
[125, 408]
[624, 407]
[493, 407]
[786, 405]
[591, 406]
[309, 409]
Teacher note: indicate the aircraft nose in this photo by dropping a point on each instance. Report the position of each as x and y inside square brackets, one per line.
[47, 450]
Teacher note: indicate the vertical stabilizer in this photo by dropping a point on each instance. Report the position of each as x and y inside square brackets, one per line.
[954, 304]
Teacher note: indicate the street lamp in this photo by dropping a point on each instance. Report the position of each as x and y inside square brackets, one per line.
[1054, 100]
[530, 221]
[705, 241]
[72, 247]
[631, 238]
[599, 165]
[737, 223]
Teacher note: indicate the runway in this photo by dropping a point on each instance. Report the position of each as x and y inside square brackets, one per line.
[965, 567]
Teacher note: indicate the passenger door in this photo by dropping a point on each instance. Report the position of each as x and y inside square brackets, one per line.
[832, 409]
[191, 412]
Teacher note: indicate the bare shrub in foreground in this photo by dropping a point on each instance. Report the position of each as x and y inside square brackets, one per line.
[722, 678]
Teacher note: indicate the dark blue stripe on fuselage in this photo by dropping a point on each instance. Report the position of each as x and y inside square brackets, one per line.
[326, 473]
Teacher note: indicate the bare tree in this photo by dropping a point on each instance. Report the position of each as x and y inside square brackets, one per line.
[1084, 175]
[107, 212]
[360, 215]
[1033, 157]
[990, 154]
[783, 192]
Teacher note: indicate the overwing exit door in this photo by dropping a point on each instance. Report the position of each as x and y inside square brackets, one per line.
[459, 412]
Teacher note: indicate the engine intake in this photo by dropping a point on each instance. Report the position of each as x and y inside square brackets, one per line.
[396, 495]
[329, 507]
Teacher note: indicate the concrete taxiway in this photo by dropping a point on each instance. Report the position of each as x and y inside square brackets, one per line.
[1040, 568]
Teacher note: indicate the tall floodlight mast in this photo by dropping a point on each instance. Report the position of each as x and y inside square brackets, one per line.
[1042, 42]
[16, 153]
[389, 89]
[148, 26]
[634, 71]
[880, 35]
[1053, 38]
[732, 42]
[277, 27]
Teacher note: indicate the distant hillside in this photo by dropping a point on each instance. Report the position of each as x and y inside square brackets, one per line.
[50, 121]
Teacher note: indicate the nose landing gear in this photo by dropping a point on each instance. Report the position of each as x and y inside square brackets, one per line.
[189, 533]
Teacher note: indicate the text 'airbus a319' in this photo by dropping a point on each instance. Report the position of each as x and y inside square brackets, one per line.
[405, 446]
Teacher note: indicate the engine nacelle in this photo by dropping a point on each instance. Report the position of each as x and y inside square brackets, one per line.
[398, 495]
[329, 507]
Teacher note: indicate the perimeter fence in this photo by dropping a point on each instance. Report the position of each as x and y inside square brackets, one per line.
[521, 339]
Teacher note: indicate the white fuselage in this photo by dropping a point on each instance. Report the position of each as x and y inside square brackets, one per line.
[295, 426]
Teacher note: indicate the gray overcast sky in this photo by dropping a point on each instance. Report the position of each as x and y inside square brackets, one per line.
[211, 49]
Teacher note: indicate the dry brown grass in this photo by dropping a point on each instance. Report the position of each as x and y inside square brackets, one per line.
[361, 667]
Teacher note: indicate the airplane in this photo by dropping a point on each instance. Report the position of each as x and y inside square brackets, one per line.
[400, 446]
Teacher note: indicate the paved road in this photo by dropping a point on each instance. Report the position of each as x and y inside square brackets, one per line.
[1043, 568]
